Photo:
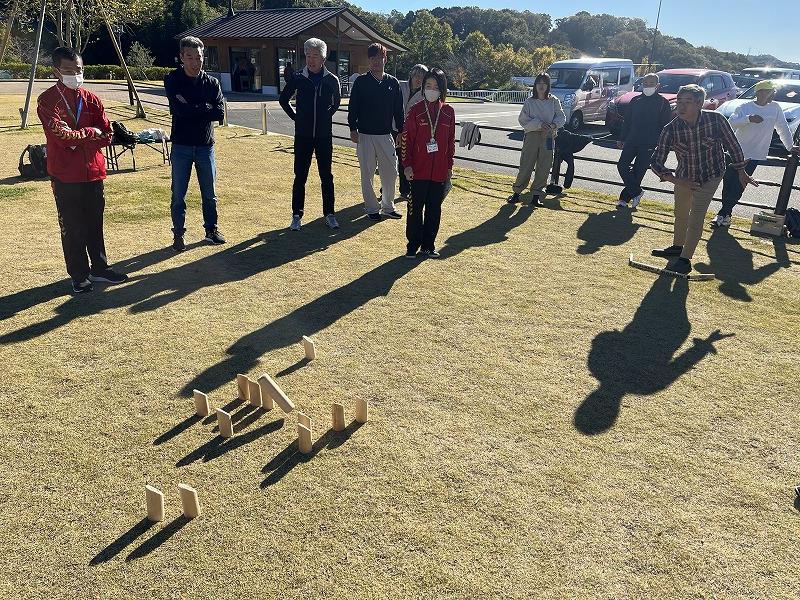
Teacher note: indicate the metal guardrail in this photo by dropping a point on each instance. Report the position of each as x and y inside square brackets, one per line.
[503, 96]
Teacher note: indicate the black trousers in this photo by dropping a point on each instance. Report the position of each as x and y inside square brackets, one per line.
[405, 186]
[304, 149]
[80, 215]
[569, 175]
[732, 189]
[424, 214]
[634, 161]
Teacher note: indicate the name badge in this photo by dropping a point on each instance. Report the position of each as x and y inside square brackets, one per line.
[433, 147]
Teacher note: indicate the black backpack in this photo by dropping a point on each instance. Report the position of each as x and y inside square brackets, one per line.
[122, 135]
[37, 168]
[792, 222]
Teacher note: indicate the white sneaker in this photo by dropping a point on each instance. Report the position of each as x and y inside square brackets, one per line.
[295, 226]
[636, 199]
[622, 203]
[331, 222]
[721, 221]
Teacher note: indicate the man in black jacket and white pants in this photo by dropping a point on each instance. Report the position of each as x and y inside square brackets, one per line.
[318, 98]
[375, 102]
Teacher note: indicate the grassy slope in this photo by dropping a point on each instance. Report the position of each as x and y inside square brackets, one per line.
[492, 465]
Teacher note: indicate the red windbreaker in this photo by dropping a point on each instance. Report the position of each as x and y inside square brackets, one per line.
[430, 166]
[74, 149]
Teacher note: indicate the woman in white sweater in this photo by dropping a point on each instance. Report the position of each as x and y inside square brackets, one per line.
[541, 116]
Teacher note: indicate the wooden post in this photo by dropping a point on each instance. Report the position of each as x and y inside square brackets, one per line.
[361, 410]
[263, 118]
[304, 443]
[131, 88]
[304, 420]
[155, 503]
[191, 506]
[267, 403]
[242, 383]
[225, 423]
[310, 348]
[201, 404]
[337, 417]
[254, 392]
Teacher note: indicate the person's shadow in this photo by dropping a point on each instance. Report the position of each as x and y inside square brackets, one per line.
[325, 310]
[733, 265]
[641, 359]
[610, 228]
[236, 262]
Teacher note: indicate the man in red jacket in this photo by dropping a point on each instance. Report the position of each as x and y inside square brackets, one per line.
[76, 129]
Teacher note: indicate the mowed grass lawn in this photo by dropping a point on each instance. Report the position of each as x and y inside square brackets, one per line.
[545, 421]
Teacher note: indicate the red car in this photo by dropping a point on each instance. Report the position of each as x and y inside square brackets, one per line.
[719, 88]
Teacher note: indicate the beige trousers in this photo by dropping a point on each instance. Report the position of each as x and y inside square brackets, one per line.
[535, 155]
[691, 207]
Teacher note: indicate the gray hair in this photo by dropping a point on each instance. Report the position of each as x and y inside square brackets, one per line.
[316, 44]
[698, 93]
[417, 70]
[191, 42]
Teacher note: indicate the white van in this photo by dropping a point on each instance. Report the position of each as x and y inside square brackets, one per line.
[585, 86]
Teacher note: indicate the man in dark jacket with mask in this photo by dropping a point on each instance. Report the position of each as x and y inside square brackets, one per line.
[318, 98]
[647, 115]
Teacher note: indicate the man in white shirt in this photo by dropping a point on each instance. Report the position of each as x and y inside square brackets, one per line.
[753, 124]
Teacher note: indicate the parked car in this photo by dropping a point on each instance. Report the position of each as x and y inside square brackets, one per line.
[772, 73]
[586, 85]
[719, 87]
[787, 96]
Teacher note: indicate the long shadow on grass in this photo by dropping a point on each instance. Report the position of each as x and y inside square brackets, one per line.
[733, 265]
[324, 311]
[288, 458]
[122, 542]
[641, 359]
[19, 301]
[193, 420]
[161, 536]
[218, 445]
[610, 228]
[236, 262]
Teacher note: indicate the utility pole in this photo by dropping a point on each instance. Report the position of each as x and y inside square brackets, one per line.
[655, 33]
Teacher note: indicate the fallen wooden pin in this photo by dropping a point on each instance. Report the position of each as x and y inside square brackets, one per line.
[275, 392]
[155, 503]
[663, 271]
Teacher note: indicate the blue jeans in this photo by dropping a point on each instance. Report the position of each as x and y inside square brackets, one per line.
[182, 158]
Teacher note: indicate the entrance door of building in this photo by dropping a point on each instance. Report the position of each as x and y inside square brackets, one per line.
[284, 56]
[245, 69]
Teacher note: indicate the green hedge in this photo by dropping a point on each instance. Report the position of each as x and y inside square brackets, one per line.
[23, 71]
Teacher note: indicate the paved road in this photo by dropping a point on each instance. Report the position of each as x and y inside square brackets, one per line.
[245, 110]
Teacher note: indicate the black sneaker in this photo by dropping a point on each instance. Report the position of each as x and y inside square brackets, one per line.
[81, 287]
[536, 202]
[680, 265]
[513, 198]
[410, 254]
[214, 236]
[393, 215]
[666, 252]
[108, 276]
[178, 244]
[431, 253]
[375, 216]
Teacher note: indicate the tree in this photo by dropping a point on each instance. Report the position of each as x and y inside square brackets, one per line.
[139, 59]
[473, 61]
[541, 58]
[429, 40]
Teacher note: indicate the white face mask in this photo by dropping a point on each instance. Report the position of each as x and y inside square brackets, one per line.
[648, 91]
[431, 95]
[73, 82]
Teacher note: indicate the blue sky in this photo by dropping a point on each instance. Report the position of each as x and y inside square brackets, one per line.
[765, 27]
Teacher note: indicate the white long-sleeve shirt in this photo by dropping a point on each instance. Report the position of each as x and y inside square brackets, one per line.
[535, 112]
[755, 138]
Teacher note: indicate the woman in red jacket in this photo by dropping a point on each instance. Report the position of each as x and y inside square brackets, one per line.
[427, 147]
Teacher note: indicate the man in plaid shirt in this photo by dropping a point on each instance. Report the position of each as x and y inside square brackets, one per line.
[699, 139]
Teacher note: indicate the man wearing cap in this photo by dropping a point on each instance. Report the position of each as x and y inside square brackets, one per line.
[753, 124]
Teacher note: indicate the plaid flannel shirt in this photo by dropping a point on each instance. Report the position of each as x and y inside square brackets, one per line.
[699, 148]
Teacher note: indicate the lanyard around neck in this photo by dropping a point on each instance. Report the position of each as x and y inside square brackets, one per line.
[76, 116]
[430, 121]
